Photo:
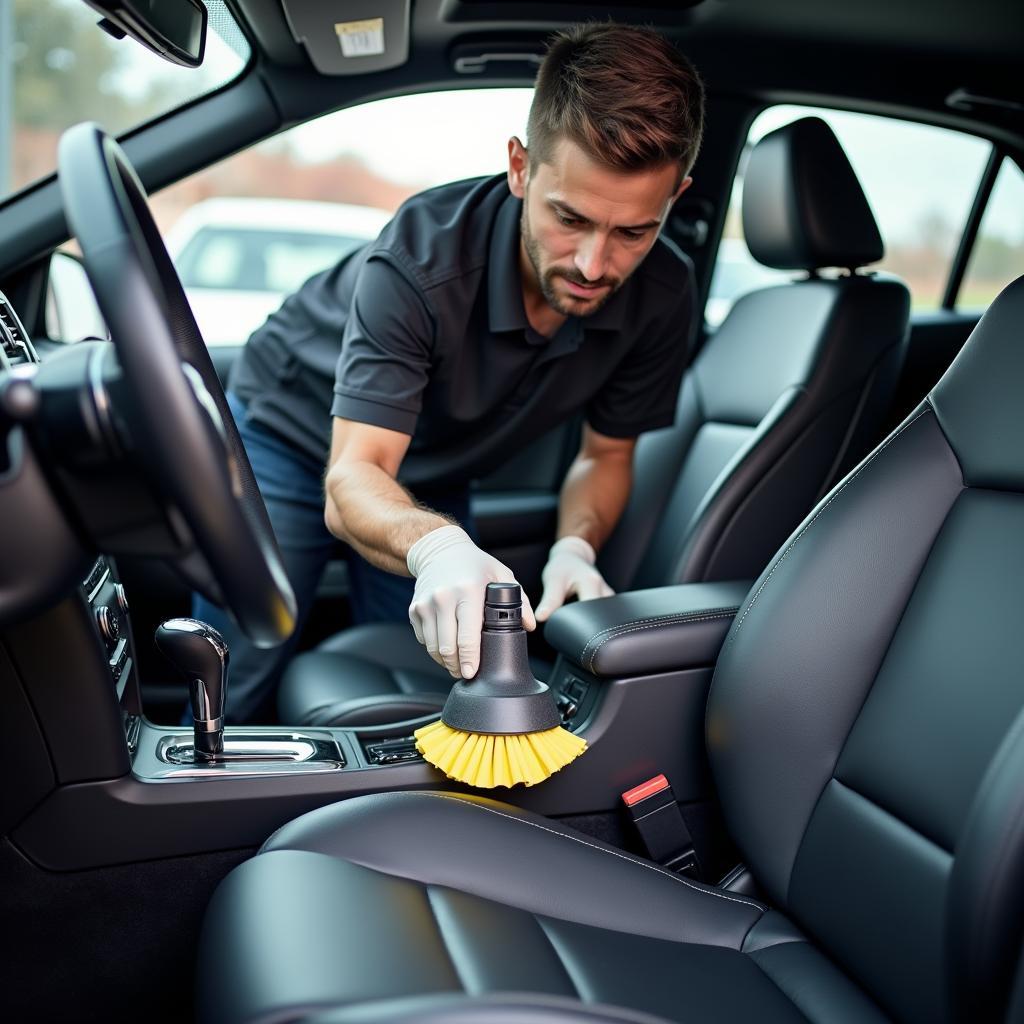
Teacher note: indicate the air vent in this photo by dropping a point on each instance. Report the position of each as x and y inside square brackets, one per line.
[16, 344]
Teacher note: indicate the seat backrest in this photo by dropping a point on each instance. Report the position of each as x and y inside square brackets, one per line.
[789, 389]
[866, 719]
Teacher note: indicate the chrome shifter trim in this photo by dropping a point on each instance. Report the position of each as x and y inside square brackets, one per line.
[209, 724]
[187, 643]
[247, 755]
[200, 628]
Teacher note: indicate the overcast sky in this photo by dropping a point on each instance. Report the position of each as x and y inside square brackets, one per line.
[425, 139]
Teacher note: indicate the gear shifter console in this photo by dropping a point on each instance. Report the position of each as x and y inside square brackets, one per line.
[200, 654]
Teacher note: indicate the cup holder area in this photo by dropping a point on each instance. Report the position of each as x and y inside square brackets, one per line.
[394, 750]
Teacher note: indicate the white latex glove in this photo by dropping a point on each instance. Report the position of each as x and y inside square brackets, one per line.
[447, 610]
[570, 570]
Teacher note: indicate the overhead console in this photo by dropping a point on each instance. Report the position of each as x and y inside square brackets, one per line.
[341, 39]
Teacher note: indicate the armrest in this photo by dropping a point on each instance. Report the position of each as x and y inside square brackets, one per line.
[646, 631]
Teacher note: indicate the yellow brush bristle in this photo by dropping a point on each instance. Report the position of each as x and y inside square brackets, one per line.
[487, 761]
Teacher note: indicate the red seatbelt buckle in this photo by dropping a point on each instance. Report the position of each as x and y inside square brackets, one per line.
[655, 813]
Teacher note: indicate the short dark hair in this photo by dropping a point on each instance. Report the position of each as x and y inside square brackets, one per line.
[623, 94]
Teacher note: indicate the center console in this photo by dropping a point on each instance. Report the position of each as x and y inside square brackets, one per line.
[631, 678]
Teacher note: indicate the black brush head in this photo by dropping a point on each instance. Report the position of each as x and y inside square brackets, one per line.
[503, 698]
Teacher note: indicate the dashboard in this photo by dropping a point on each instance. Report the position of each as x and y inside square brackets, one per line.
[107, 600]
[68, 678]
[106, 597]
[14, 340]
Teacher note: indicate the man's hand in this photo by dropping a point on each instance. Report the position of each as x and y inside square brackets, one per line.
[447, 610]
[570, 570]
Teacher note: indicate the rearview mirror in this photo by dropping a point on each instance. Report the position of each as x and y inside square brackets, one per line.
[174, 29]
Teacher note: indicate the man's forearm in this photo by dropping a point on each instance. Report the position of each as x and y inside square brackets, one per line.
[593, 496]
[373, 513]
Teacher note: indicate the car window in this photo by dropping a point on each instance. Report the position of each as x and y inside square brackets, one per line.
[997, 257]
[261, 261]
[288, 261]
[921, 213]
[248, 231]
[57, 69]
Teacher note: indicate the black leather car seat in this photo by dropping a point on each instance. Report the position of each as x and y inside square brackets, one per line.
[788, 392]
[865, 727]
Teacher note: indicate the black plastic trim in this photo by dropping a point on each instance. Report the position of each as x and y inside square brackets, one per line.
[967, 239]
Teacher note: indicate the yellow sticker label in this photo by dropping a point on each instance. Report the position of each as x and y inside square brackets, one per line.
[361, 38]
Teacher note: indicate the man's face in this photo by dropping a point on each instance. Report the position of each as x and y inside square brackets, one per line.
[585, 228]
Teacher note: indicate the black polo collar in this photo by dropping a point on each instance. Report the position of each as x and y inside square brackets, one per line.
[504, 282]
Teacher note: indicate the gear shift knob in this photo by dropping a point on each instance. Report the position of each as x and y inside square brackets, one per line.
[200, 654]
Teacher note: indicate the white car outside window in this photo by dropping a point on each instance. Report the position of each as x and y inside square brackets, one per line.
[239, 258]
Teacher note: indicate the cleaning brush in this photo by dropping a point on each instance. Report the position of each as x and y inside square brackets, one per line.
[501, 727]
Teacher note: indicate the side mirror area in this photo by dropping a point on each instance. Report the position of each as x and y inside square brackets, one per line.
[71, 312]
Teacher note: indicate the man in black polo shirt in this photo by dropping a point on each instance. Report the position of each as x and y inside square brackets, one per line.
[487, 312]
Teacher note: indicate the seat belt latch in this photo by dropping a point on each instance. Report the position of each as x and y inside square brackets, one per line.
[654, 811]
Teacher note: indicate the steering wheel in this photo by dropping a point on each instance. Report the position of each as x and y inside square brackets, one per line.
[202, 466]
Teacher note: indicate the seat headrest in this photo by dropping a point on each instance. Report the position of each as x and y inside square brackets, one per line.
[803, 207]
[978, 400]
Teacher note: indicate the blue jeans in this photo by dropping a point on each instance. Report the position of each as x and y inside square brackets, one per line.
[292, 487]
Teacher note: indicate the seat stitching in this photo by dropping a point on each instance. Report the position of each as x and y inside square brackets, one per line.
[817, 514]
[633, 627]
[600, 849]
[658, 618]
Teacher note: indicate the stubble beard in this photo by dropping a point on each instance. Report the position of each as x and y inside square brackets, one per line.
[546, 279]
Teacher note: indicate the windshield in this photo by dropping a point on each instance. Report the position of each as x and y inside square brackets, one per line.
[57, 67]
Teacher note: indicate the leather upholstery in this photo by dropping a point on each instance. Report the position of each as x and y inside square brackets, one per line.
[866, 732]
[506, 1008]
[985, 426]
[375, 666]
[778, 763]
[803, 207]
[411, 894]
[887, 815]
[782, 400]
[647, 631]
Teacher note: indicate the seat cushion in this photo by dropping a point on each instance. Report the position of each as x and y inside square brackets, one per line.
[363, 676]
[372, 905]
[367, 675]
